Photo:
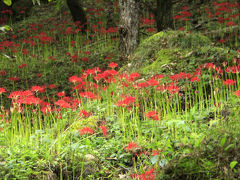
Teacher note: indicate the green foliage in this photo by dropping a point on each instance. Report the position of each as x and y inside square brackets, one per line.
[8, 2]
[174, 52]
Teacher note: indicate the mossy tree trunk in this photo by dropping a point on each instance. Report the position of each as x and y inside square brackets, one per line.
[163, 14]
[78, 14]
[128, 27]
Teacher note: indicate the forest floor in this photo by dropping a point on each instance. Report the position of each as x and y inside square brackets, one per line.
[71, 110]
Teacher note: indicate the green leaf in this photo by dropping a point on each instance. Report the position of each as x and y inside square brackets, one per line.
[8, 2]
[223, 141]
[228, 147]
[233, 164]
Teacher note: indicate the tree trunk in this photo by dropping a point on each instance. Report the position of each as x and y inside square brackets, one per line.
[163, 15]
[77, 13]
[129, 27]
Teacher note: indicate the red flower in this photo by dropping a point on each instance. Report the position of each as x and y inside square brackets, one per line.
[86, 130]
[75, 79]
[61, 94]
[38, 88]
[14, 79]
[147, 175]
[230, 23]
[3, 73]
[113, 65]
[152, 115]
[104, 130]
[155, 153]
[2, 90]
[88, 95]
[52, 86]
[22, 66]
[177, 17]
[132, 146]
[62, 103]
[237, 93]
[193, 79]
[84, 113]
[142, 85]
[229, 82]
[152, 82]
[126, 102]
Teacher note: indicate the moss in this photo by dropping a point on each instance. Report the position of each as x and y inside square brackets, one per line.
[176, 51]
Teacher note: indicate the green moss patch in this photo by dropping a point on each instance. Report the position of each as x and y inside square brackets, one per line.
[174, 52]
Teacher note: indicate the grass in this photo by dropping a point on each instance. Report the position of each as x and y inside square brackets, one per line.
[69, 112]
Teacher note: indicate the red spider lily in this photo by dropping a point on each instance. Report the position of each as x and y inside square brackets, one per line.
[52, 86]
[39, 75]
[230, 23]
[152, 115]
[132, 146]
[229, 82]
[25, 51]
[237, 93]
[173, 89]
[186, 13]
[88, 94]
[159, 76]
[3, 73]
[52, 58]
[209, 66]
[133, 76]
[147, 175]
[29, 100]
[61, 94]
[38, 88]
[142, 85]
[76, 102]
[84, 59]
[75, 79]
[22, 66]
[177, 17]
[86, 130]
[15, 94]
[2, 90]
[152, 82]
[87, 52]
[151, 30]
[14, 79]
[113, 65]
[104, 130]
[161, 88]
[68, 30]
[44, 38]
[62, 103]
[155, 153]
[46, 109]
[126, 102]
[73, 43]
[84, 113]
[147, 21]
[194, 79]
[222, 41]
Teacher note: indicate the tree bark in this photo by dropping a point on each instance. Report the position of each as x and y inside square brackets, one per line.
[129, 27]
[163, 14]
[78, 14]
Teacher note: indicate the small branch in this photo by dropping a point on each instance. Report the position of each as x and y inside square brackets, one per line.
[204, 22]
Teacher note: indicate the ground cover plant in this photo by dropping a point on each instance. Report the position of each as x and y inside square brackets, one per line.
[71, 110]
